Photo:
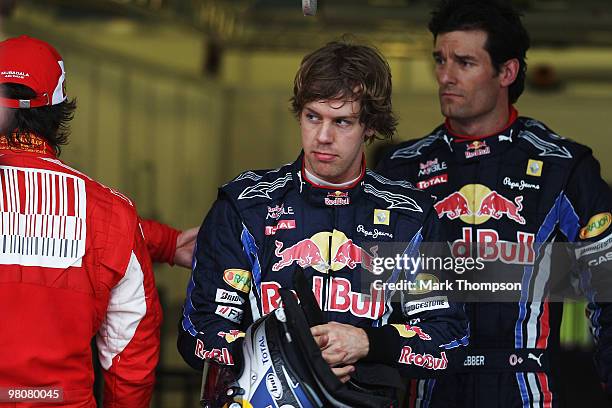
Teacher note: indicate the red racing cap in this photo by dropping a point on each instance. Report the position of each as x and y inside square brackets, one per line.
[34, 63]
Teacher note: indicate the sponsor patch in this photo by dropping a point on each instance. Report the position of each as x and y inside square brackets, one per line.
[431, 166]
[596, 225]
[278, 211]
[274, 386]
[490, 248]
[222, 356]
[337, 198]
[476, 148]
[476, 204]
[408, 331]
[515, 360]
[226, 296]
[315, 251]
[281, 225]
[520, 184]
[599, 246]
[422, 305]
[233, 314]
[339, 297]
[435, 180]
[381, 217]
[238, 279]
[375, 233]
[474, 361]
[427, 361]
[534, 168]
[231, 336]
[607, 257]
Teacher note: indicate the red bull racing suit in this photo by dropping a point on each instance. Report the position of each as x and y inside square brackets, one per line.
[266, 223]
[513, 192]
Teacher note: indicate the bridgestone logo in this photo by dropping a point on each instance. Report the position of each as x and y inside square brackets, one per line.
[225, 296]
[433, 303]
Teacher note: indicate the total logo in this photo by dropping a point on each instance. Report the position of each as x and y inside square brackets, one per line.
[340, 298]
[490, 248]
[314, 252]
[476, 204]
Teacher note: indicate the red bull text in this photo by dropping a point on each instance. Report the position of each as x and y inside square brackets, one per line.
[340, 298]
[490, 248]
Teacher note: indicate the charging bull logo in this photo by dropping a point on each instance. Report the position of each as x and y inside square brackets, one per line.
[231, 336]
[315, 252]
[405, 330]
[339, 297]
[476, 204]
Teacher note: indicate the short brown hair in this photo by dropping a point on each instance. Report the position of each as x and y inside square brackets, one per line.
[344, 70]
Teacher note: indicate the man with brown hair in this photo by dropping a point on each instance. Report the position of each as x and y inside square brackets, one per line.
[73, 260]
[318, 213]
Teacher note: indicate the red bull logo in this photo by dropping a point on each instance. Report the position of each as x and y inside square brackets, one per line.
[496, 205]
[337, 198]
[223, 355]
[231, 336]
[453, 206]
[426, 361]
[476, 204]
[490, 248]
[351, 255]
[340, 298]
[305, 253]
[314, 252]
[408, 331]
[476, 148]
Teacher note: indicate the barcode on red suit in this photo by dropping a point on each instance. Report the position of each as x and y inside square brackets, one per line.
[42, 218]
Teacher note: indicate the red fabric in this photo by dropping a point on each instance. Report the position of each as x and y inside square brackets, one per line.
[463, 138]
[34, 63]
[79, 268]
[160, 239]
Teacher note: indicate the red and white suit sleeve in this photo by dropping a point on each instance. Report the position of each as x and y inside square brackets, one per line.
[160, 239]
[129, 338]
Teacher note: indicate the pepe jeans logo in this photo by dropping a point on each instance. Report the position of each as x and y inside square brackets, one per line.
[375, 233]
[520, 185]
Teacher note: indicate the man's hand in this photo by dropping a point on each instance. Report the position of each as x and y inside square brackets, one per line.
[341, 345]
[185, 243]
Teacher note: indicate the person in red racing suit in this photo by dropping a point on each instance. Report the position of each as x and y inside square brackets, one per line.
[328, 214]
[166, 244]
[515, 186]
[73, 260]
